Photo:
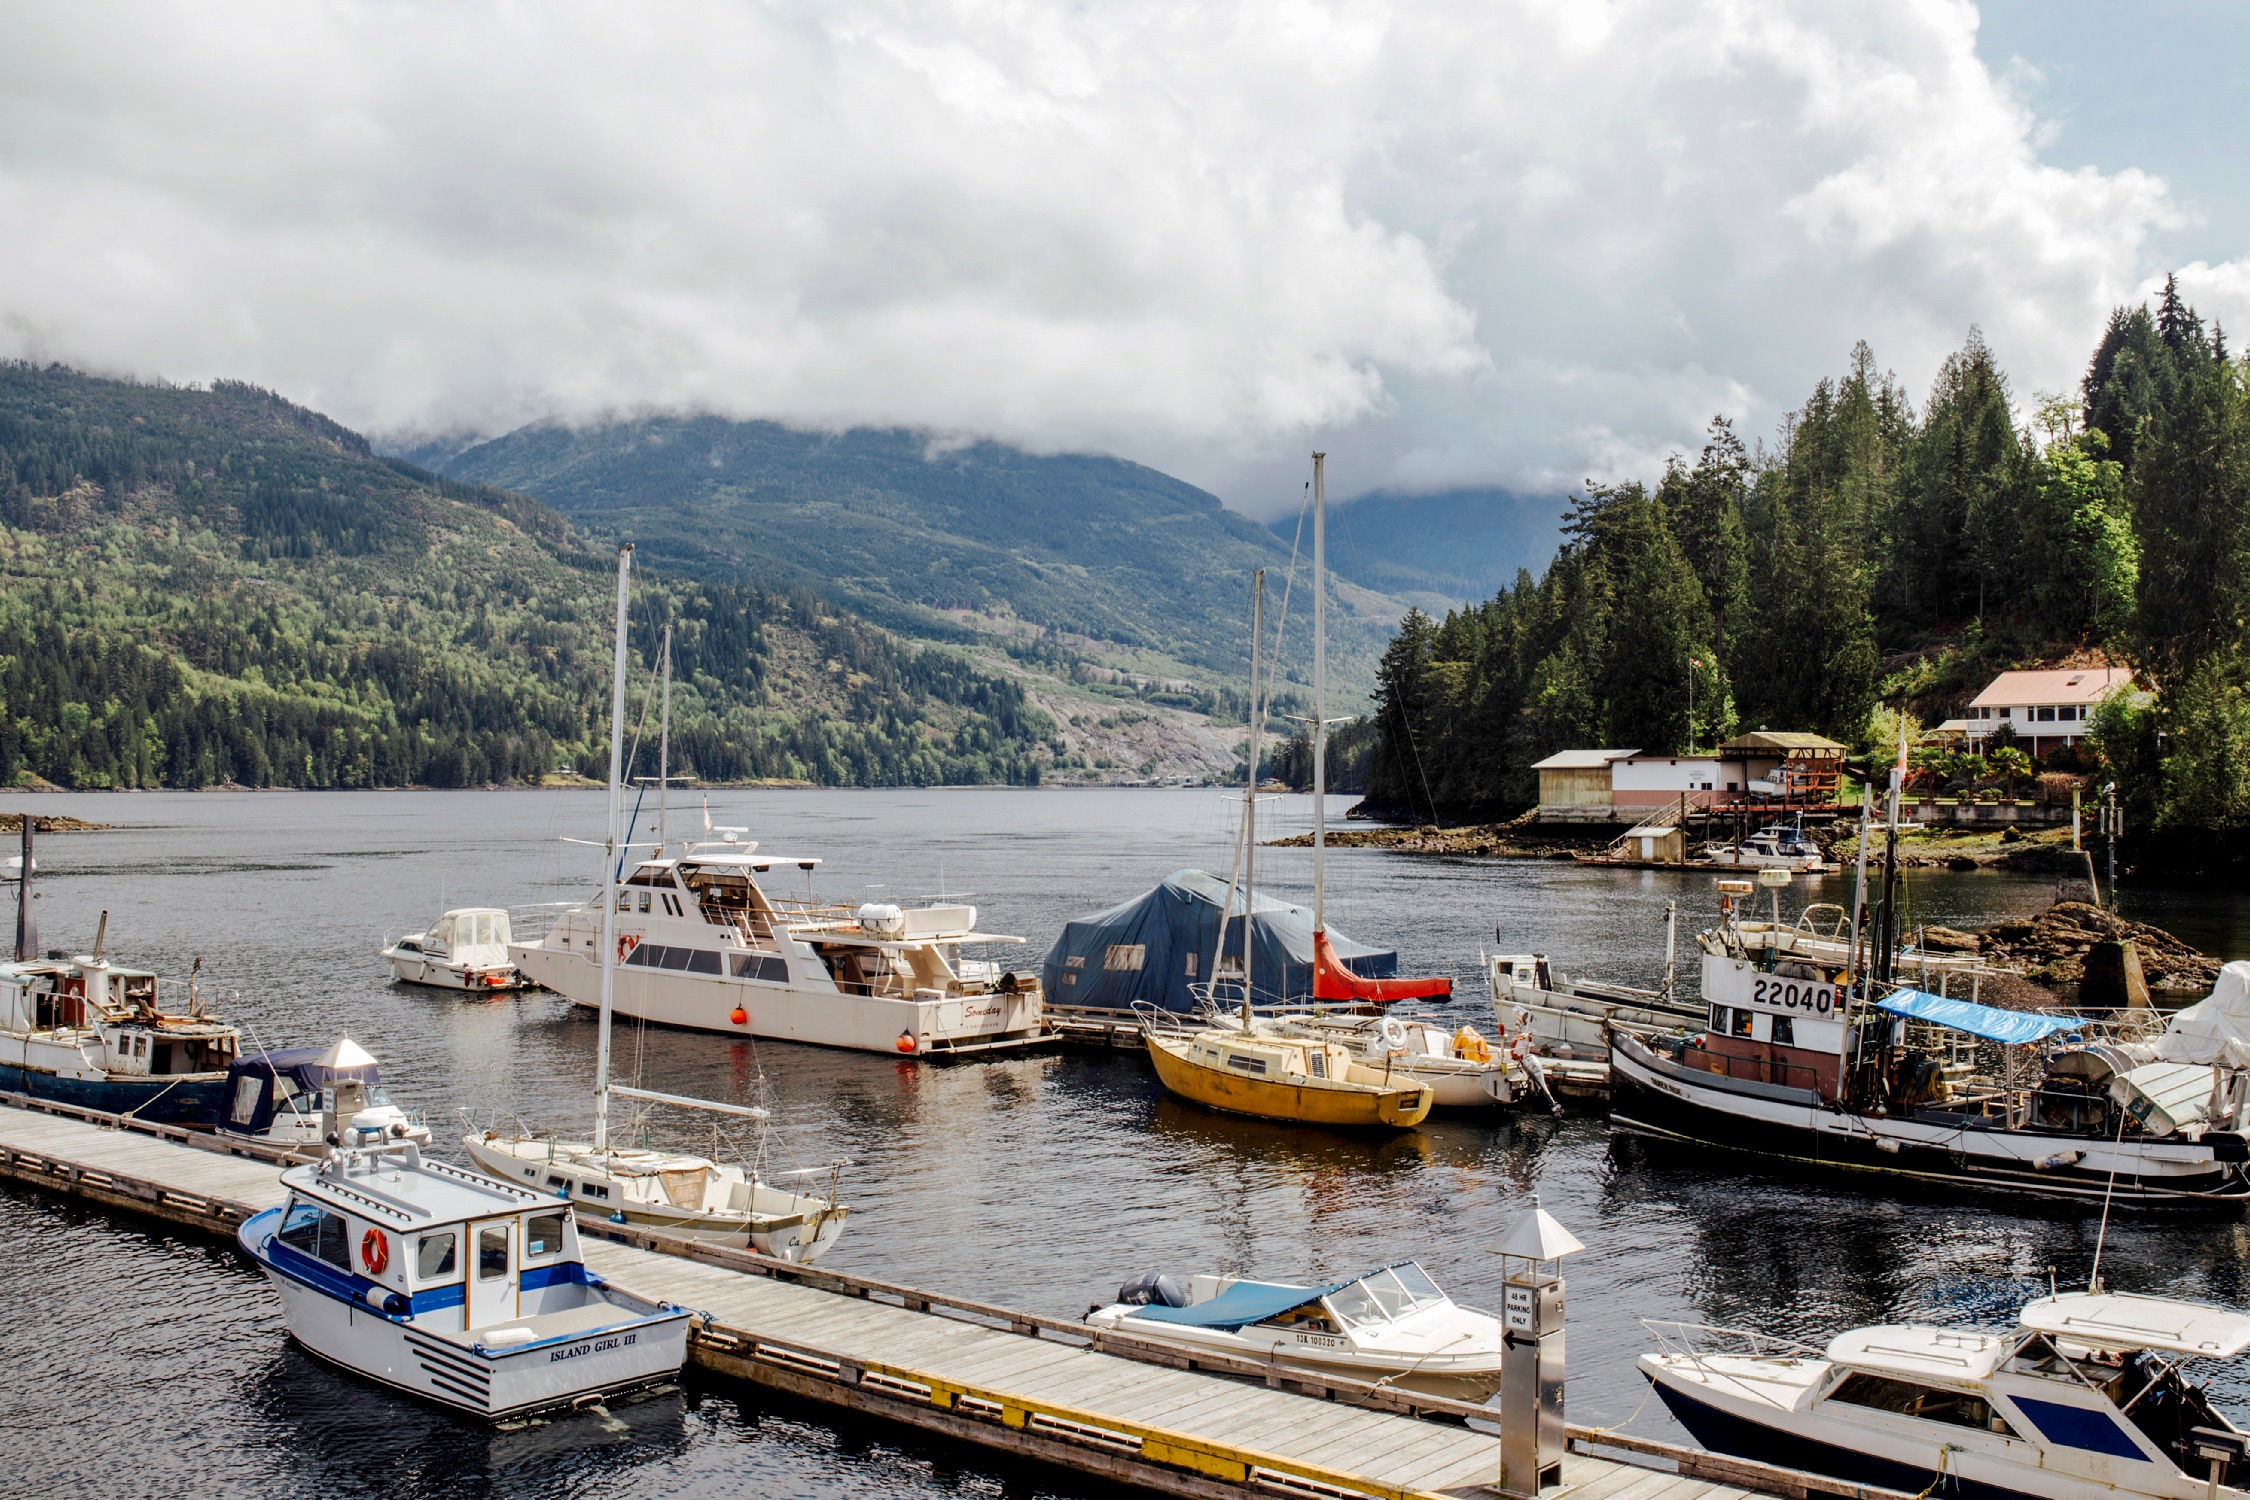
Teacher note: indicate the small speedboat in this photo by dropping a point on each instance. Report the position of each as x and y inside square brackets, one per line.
[451, 1286]
[2087, 1397]
[296, 1096]
[466, 950]
[1391, 1325]
[1777, 846]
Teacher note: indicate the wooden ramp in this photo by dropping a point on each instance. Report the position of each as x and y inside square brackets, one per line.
[1030, 1386]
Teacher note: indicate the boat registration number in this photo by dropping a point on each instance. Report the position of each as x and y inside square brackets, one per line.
[1320, 1340]
[1792, 994]
[599, 1346]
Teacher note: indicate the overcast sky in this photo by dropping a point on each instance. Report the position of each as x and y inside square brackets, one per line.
[1466, 243]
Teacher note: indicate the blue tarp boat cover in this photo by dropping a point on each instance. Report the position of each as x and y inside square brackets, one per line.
[1987, 1021]
[1155, 946]
[1240, 1305]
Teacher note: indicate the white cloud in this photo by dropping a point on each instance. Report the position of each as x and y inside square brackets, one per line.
[1458, 243]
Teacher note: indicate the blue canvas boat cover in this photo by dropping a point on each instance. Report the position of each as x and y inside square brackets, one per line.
[1240, 1305]
[1156, 946]
[1987, 1021]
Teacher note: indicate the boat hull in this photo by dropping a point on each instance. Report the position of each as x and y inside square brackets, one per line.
[408, 969]
[1727, 1432]
[1299, 1103]
[1652, 1095]
[823, 1018]
[161, 1101]
[461, 1375]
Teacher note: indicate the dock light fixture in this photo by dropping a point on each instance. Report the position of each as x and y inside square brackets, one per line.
[1533, 1436]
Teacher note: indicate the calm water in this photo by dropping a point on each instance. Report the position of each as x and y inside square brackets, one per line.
[144, 1363]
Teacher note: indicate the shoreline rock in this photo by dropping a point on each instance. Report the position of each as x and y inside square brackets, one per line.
[51, 823]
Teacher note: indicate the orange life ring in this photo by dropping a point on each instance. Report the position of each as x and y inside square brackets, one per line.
[375, 1250]
[625, 947]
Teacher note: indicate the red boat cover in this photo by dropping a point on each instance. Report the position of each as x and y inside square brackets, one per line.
[1332, 981]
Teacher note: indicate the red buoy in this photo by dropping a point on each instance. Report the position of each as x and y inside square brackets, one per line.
[906, 1041]
[739, 1016]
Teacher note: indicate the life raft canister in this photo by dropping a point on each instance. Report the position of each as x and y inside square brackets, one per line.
[375, 1251]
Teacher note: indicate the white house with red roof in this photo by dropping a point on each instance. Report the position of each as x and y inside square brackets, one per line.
[2045, 709]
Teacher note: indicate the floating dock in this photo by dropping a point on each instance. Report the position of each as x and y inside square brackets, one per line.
[1018, 1383]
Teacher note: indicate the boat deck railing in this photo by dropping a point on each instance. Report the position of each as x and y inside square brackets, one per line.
[1697, 1342]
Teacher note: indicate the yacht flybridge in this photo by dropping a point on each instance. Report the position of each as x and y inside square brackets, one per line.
[699, 943]
[2086, 1399]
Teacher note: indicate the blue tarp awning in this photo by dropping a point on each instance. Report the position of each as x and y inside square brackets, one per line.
[1987, 1021]
[1240, 1305]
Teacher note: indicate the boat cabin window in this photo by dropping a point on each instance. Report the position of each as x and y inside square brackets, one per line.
[593, 1189]
[1245, 1064]
[764, 966]
[543, 1234]
[1316, 1061]
[492, 1253]
[1418, 1284]
[248, 1089]
[433, 1256]
[1930, 1403]
[317, 1232]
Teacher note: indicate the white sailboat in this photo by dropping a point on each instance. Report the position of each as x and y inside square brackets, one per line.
[657, 1189]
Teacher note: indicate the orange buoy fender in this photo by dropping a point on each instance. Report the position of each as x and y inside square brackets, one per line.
[906, 1041]
[739, 1016]
[375, 1251]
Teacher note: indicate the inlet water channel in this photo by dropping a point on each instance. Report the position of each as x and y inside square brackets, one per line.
[143, 1363]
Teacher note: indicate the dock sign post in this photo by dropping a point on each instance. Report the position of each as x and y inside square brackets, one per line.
[1532, 1433]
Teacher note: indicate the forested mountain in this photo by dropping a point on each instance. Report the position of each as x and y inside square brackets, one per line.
[1445, 544]
[1058, 557]
[199, 586]
[1878, 553]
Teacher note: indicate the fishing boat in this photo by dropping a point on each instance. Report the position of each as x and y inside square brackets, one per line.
[1392, 1325]
[297, 1097]
[451, 1286]
[467, 949]
[81, 1030]
[2086, 1399]
[1817, 1049]
[674, 1191]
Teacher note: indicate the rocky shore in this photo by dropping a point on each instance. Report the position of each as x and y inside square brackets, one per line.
[50, 823]
[1520, 839]
[2054, 947]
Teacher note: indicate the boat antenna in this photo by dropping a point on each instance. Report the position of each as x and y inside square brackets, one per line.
[1320, 709]
[615, 850]
[27, 926]
[1250, 794]
[2101, 1237]
[664, 743]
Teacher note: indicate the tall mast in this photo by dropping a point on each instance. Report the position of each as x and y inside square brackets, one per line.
[1250, 791]
[1319, 694]
[27, 925]
[664, 744]
[613, 851]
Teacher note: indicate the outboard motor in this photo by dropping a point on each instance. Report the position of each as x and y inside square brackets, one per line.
[1155, 1289]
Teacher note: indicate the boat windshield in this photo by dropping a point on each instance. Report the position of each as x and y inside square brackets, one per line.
[1386, 1295]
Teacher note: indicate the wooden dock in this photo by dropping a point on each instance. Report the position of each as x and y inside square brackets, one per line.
[1020, 1383]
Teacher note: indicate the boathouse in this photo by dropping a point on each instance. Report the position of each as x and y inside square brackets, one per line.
[1574, 785]
[1764, 768]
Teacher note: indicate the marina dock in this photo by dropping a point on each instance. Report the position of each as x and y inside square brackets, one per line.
[1028, 1386]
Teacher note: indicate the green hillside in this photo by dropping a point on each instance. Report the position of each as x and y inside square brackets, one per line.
[1067, 558]
[199, 586]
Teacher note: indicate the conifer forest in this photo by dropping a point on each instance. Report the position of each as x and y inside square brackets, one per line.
[1878, 557]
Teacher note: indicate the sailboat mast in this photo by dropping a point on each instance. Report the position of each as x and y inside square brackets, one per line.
[664, 745]
[1250, 790]
[1319, 693]
[614, 851]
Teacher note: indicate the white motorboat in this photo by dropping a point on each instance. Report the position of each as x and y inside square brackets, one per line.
[1777, 846]
[1391, 1325]
[466, 950]
[701, 944]
[451, 1286]
[2086, 1398]
[297, 1097]
[671, 1191]
[1462, 1069]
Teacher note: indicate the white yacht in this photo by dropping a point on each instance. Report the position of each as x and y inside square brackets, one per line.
[296, 1097]
[450, 1286]
[699, 943]
[1463, 1070]
[2087, 1399]
[466, 950]
[1392, 1325]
